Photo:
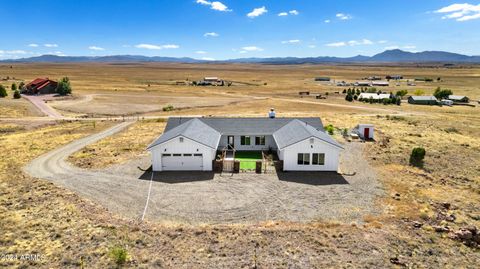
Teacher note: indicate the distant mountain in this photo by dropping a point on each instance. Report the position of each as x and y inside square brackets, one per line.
[389, 56]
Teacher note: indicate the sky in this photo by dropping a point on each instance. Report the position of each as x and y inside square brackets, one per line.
[226, 29]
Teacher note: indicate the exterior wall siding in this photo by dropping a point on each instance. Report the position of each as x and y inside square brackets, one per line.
[187, 146]
[289, 155]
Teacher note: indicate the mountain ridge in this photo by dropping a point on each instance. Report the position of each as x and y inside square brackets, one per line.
[388, 56]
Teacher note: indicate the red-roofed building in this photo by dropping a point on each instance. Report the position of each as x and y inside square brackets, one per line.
[41, 86]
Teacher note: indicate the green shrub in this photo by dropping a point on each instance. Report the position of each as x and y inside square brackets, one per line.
[401, 93]
[168, 108]
[355, 97]
[3, 91]
[16, 94]
[14, 87]
[64, 87]
[118, 255]
[417, 156]
[330, 129]
[442, 93]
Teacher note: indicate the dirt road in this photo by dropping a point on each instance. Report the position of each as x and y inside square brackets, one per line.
[193, 197]
[38, 101]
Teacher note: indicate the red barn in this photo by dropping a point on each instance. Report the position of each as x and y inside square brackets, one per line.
[41, 86]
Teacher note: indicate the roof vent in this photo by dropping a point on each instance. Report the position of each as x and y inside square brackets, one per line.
[271, 114]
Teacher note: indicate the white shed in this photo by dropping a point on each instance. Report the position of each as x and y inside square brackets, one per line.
[365, 131]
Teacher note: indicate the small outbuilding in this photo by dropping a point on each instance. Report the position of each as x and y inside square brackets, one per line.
[322, 79]
[458, 98]
[365, 131]
[380, 83]
[422, 100]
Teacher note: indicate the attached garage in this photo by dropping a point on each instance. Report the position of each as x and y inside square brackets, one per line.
[189, 147]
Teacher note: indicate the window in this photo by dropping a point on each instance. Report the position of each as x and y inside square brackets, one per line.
[245, 140]
[197, 154]
[303, 159]
[181, 139]
[187, 155]
[166, 155]
[260, 140]
[318, 158]
[177, 155]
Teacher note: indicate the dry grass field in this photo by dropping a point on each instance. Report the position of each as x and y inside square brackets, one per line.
[421, 210]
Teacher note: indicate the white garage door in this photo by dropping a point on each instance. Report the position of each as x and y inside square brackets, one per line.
[185, 162]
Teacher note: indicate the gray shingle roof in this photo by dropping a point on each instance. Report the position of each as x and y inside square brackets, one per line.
[456, 97]
[423, 98]
[245, 126]
[193, 129]
[207, 131]
[296, 131]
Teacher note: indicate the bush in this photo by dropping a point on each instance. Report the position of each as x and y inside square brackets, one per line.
[417, 156]
[329, 128]
[442, 93]
[3, 91]
[118, 255]
[344, 91]
[16, 94]
[21, 85]
[398, 101]
[14, 87]
[64, 87]
[401, 93]
[168, 108]
[355, 97]
[418, 93]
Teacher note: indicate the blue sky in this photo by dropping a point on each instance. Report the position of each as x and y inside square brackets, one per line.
[236, 29]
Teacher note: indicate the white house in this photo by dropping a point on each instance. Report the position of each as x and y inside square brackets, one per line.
[374, 96]
[191, 144]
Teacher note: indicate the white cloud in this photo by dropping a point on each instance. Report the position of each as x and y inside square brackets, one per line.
[326, 21]
[312, 46]
[382, 41]
[343, 16]
[33, 45]
[460, 12]
[350, 43]
[95, 48]
[392, 48]
[208, 59]
[13, 52]
[294, 12]
[211, 34]
[215, 5]
[156, 47]
[336, 44]
[257, 12]
[291, 41]
[281, 14]
[51, 45]
[251, 48]
[200, 52]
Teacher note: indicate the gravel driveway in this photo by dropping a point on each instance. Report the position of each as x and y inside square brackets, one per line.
[195, 198]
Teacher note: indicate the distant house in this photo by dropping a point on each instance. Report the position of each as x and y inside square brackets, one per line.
[458, 98]
[322, 79]
[394, 77]
[40, 86]
[362, 83]
[374, 96]
[211, 79]
[380, 83]
[422, 100]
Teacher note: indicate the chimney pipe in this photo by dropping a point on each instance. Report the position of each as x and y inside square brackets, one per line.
[271, 114]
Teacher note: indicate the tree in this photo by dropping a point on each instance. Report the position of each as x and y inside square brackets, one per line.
[355, 97]
[418, 92]
[417, 156]
[401, 93]
[398, 101]
[349, 97]
[21, 85]
[64, 87]
[344, 91]
[16, 94]
[3, 91]
[442, 93]
[14, 87]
